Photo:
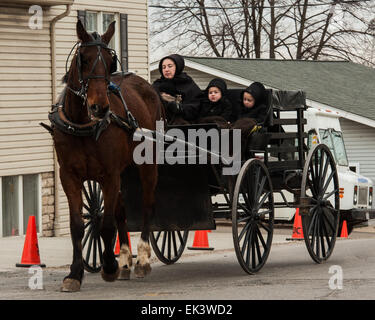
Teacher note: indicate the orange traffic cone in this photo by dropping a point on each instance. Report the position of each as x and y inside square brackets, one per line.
[297, 227]
[344, 230]
[200, 241]
[30, 254]
[117, 248]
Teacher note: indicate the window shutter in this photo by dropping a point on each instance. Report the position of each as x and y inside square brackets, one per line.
[124, 40]
[82, 16]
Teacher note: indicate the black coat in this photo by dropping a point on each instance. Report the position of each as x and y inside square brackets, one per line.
[185, 86]
[258, 113]
[222, 108]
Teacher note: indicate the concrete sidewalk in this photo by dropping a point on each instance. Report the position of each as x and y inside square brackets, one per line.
[58, 251]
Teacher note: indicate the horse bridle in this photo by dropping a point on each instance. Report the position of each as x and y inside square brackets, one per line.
[111, 87]
[84, 81]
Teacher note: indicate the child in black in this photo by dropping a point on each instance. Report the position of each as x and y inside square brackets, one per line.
[215, 107]
[253, 111]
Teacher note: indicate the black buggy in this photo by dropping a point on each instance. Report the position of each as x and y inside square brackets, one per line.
[275, 161]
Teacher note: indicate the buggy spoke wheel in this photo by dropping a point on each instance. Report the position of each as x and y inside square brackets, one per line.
[320, 188]
[252, 216]
[168, 245]
[93, 209]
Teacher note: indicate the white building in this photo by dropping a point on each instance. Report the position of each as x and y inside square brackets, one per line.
[36, 37]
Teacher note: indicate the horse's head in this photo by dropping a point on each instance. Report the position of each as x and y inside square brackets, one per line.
[94, 62]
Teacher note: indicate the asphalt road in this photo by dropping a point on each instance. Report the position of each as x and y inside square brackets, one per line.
[288, 274]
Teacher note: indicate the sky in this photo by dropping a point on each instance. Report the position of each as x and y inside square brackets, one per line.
[157, 51]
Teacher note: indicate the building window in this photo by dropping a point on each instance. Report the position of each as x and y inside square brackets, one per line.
[99, 22]
[91, 22]
[21, 198]
[10, 206]
[106, 20]
[30, 194]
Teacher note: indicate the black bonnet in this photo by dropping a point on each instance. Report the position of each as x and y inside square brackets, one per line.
[257, 90]
[178, 60]
[218, 83]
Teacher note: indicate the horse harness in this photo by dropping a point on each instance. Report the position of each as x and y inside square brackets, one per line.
[94, 128]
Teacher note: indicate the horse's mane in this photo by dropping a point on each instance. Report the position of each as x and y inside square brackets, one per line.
[61, 97]
[64, 79]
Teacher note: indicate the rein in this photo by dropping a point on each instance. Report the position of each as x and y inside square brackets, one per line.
[94, 128]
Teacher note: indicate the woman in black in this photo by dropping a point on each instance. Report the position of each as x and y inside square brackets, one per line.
[178, 91]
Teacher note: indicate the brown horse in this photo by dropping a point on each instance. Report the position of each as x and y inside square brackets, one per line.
[87, 104]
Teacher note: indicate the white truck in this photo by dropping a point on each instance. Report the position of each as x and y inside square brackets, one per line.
[356, 191]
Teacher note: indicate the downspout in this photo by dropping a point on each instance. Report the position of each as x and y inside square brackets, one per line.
[54, 97]
[148, 46]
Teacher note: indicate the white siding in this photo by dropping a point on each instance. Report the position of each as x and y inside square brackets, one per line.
[25, 94]
[360, 145]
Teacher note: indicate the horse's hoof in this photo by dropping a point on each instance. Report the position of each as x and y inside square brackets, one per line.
[70, 285]
[142, 270]
[124, 274]
[110, 277]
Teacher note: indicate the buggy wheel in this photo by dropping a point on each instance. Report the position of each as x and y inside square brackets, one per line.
[320, 193]
[93, 209]
[252, 216]
[168, 245]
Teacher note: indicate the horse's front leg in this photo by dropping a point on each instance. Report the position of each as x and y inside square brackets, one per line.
[125, 259]
[73, 191]
[111, 188]
[148, 175]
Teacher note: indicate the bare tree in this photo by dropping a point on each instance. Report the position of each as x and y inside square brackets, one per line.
[289, 29]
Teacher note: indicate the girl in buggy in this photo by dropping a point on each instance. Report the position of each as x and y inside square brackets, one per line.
[253, 113]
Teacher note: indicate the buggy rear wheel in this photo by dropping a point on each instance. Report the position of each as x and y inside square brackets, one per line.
[93, 209]
[168, 245]
[252, 216]
[320, 211]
